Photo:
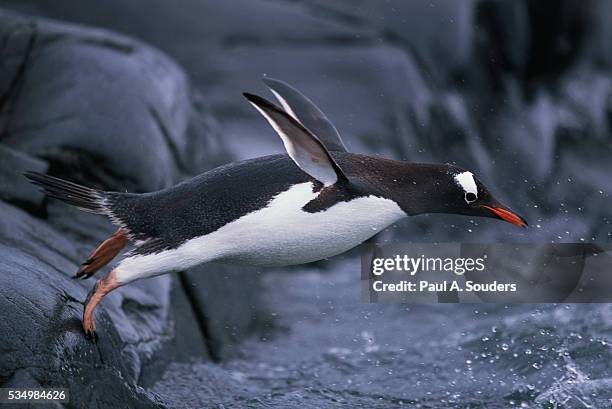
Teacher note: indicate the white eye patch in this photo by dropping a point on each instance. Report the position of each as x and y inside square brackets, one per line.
[466, 181]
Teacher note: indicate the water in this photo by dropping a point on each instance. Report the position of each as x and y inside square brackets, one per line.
[328, 349]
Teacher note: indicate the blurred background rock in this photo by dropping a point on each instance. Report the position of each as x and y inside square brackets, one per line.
[137, 95]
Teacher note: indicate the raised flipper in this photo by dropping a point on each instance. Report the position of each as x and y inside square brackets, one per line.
[303, 147]
[307, 113]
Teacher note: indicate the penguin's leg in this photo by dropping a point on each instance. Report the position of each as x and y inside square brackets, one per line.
[102, 255]
[100, 289]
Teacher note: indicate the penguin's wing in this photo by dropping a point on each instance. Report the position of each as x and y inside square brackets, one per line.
[304, 110]
[303, 147]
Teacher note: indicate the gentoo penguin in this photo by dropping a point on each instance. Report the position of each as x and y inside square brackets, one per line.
[315, 202]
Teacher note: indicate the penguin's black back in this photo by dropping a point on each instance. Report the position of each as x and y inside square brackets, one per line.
[203, 204]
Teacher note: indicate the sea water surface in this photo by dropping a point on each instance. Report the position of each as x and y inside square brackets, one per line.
[329, 349]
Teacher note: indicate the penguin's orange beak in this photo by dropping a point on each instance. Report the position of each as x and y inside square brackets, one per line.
[507, 215]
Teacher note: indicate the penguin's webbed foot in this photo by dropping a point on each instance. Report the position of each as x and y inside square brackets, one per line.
[102, 255]
[91, 335]
[89, 326]
[86, 269]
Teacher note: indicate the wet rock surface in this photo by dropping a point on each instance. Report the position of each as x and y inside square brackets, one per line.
[107, 111]
[13, 164]
[501, 88]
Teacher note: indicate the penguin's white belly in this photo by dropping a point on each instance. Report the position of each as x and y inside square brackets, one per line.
[278, 235]
[284, 234]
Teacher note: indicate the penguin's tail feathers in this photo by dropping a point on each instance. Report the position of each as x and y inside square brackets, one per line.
[84, 198]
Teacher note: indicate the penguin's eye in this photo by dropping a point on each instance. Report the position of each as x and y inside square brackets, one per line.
[470, 197]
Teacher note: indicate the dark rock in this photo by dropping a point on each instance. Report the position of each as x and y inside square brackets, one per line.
[116, 110]
[109, 112]
[187, 344]
[12, 165]
[227, 302]
[136, 324]
[22, 379]
[538, 41]
[41, 330]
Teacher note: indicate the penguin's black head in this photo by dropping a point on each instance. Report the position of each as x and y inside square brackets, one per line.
[432, 188]
[458, 191]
